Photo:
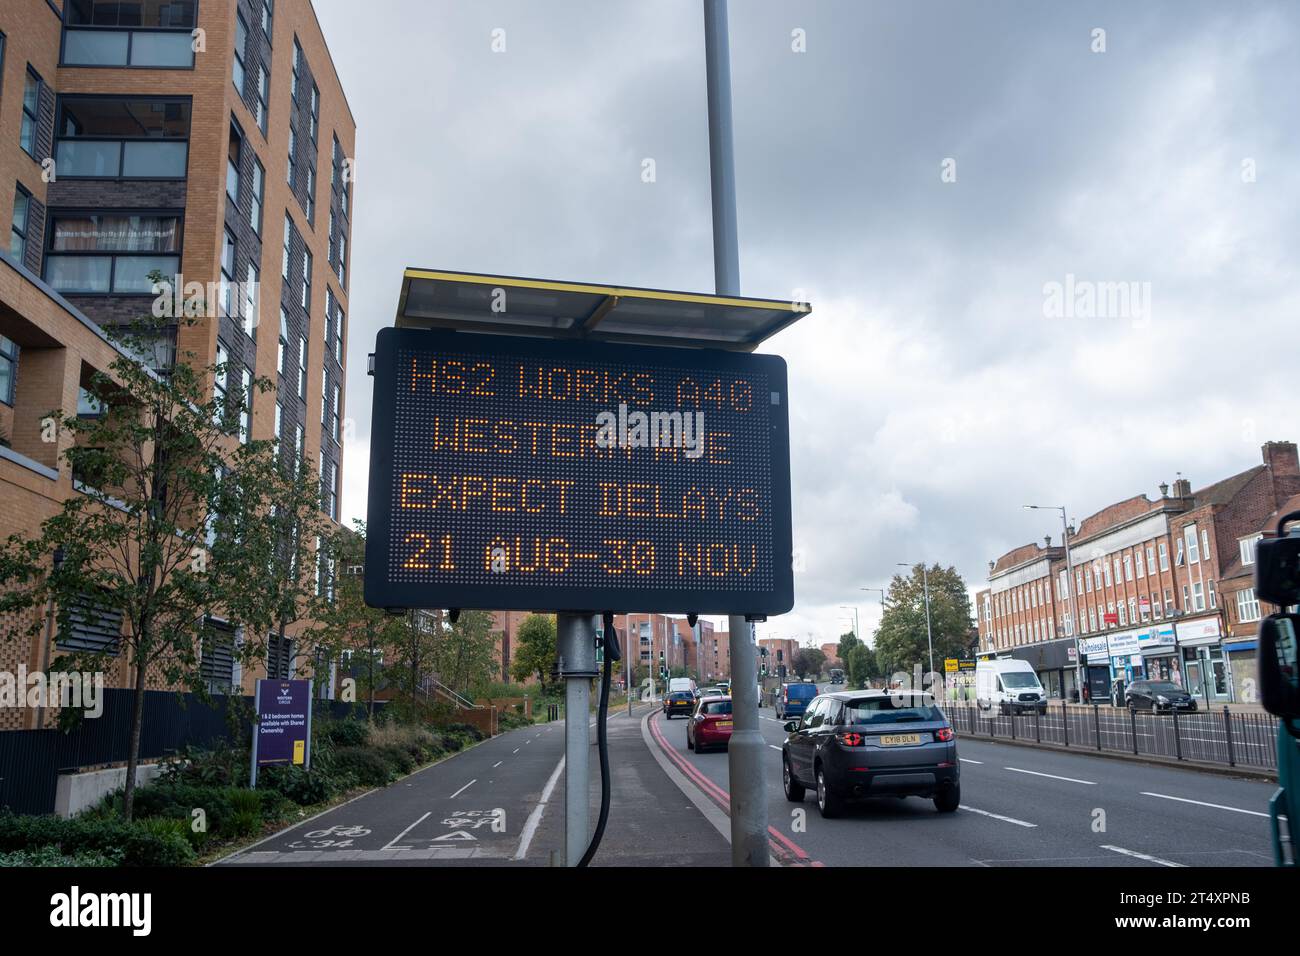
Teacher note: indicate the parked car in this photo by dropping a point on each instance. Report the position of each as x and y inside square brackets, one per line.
[1009, 685]
[871, 743]
[710, 725]
[711, 692]
[1157, 696]
[679, 702]
[793, 698]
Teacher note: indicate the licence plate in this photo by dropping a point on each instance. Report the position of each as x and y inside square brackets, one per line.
[899, 740]
[723, 723]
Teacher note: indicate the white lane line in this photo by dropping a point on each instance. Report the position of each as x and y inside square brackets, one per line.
[998, 816]
[1144, 856]
[1202, 803]
[463, 789]
[389, 846]
[497, 764]
[535, 818]
[516, 750]
[968, 760]
[1090, 783]
[774, 746]
[529, 740]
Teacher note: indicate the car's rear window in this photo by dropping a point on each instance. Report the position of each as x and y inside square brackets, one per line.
[1164, 687]
[802, 691]
[681, 695]
[889, 710]
[718, 707]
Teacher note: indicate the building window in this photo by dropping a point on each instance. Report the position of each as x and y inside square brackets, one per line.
[31, 109]
[1169, 602]
[232, 164]
[125, 138]
[1118, 578]
[338, 413]
[297, 65]
[293, 151]
[288, 244]
[1155, 605]
[237, 73]
[315, 111]
[324, 395]
[302, 367]
[1247, 546]
[1092, 619]
[221, 380]
[1140, 569]
[111, 33]
[18, 228]
[1151, 559]
[300, 446]
[1205, 543]
[104, 252]
[1247, 605]
[259, 191]
[8, 370]
[245, 404]
[263, 93]
[268, 17]
[283, 345]
[1106, 570]
[339, 322]
[228, 273]
[1164, 556]
[306, 280]
[1214, 598]
[1193, 552]
[343, 260]
[1133, 610]
[252, 318]
[279, 421]
[311, 193]
[1123, 614]
[1128, 567]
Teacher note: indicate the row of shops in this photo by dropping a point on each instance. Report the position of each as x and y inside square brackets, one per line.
[1194, 653]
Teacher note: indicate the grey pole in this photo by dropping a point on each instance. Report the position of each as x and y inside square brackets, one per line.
[722, 170]
[1074, 616]
[929, 637]
[575, 646]
[746, 748]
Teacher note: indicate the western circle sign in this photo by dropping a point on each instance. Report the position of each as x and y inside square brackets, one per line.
[521, 474]
[282, 734]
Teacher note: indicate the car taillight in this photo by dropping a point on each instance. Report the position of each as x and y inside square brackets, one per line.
[850, 739]
[943, 734]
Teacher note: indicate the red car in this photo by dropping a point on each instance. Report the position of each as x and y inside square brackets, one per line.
[710, 725]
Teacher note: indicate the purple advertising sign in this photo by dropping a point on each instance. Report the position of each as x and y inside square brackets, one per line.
[282, 734]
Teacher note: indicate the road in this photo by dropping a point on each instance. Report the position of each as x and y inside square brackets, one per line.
[1020, 807]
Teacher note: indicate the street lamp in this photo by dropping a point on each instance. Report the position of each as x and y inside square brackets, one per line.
[856, 631]
[925, 582]
[1069, 589]
[881, 592]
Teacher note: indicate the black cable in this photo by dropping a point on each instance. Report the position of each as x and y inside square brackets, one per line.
[611, 652]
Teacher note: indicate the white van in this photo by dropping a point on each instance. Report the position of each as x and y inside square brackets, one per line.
[1010, 685]
[682, 683]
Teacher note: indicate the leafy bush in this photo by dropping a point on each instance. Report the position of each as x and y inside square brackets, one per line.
[510, 720]
[347, 733]
[398, 758]
[245, 823]
[51, 856]
[303, 787]
[140, 843]
[469, 731]
[366, 764]
[221, 766]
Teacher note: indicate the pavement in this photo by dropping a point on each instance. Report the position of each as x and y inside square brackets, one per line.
[502, 803]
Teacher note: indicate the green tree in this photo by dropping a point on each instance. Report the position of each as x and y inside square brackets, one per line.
[900, 642]
[808, 661]
[464, 656]
[169, 521]
[860, 665]
[536, 651]
[848, 641]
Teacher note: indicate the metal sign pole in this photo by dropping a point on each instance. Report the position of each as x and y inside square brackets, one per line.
[575, 646]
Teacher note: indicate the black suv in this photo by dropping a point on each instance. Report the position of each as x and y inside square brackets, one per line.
[871, 743]
[1158, 695]
[679, 702]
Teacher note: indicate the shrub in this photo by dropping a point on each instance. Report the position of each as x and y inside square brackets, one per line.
[347, 733]
[509, 720]
[140, 843]
[245, 823]
[468, 731]
[303, 787]
[367, 765]
[398, 759]
[221, 766]
[51, 856]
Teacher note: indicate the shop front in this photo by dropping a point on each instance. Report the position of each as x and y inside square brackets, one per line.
[1207, 670]
[1095, 653]
[1244, 667]
[1158, 646]
[1054, 662]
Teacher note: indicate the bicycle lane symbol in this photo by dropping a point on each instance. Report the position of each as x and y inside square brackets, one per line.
[457, 828]
[330, 838]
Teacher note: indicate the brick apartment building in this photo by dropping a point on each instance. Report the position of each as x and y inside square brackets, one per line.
[1163, 588]
[207, 139]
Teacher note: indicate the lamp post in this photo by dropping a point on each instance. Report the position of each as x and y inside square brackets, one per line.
[856, 632]
[1069, 590]
[925, 584]
[881, 592]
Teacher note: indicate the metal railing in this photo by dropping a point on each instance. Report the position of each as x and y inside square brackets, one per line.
[1208, 736]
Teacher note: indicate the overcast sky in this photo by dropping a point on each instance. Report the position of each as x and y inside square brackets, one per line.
[933, 389]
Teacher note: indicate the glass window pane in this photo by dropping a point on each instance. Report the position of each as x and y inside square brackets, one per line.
[78, 273]
[155, 160]
[132, 272]
[161, 49]
[95, 48]
[88, 158]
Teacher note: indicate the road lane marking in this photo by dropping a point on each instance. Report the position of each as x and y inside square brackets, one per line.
[529, 740]
[463, 789]
[774, 746]
[516, 750]
[535, 818]
[1144, 856]
[1091, 783]
[998, 816]
[497, 764]
[968, 760]
[1202, 803]
[389, 845]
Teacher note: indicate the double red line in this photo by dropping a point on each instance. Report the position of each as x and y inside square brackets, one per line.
[782, 847]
